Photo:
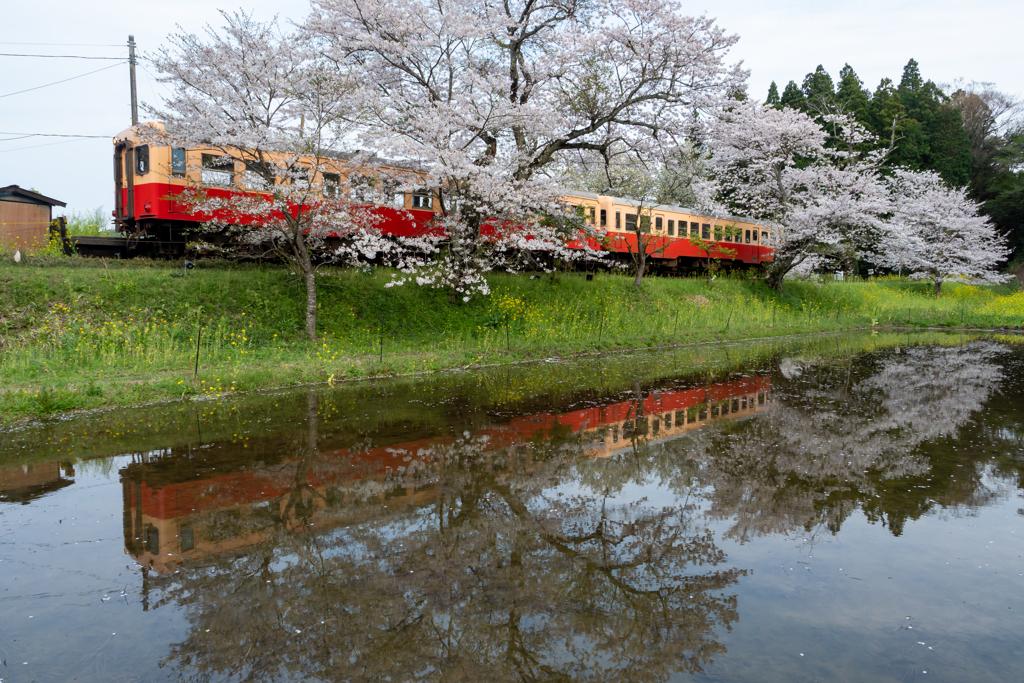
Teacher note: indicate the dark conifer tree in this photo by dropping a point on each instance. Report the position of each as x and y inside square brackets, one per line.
[773, 96]
[949, 147]
[792, 96]
[852, 95]
[818, 88]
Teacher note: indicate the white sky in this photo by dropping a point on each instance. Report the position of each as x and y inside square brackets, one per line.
[779, 41]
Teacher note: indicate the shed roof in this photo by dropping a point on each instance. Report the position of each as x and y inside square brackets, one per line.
[13, 193]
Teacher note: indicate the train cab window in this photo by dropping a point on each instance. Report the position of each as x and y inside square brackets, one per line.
[178, 162]
[671, 227]
[631, 222]
[422, 201]
[705, 231]
[694, 227]
[764, 236]
[658, 223]
[748, 237]
[755, 235]
[618, 222]
[218, 171]
[593, 215]
[332, 185]
[604, 217]
[142, 160]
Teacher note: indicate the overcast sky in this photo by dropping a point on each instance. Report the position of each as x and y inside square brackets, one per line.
[780, 40]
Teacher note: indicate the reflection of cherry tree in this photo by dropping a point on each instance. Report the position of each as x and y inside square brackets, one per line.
[841, 436]
[470, 563]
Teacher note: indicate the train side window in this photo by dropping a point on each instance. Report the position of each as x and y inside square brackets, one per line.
[645, 224]
[748, 237]
[618, 223]
[218, 171]
[188, 539]
[257, 176]
[593, 215]
[422, 201]
[671, 227]
[705, 231]
[631, 222]
[728, 236]
[658, 223]
[694, 227]
[178, 162]
[604, 217]
[755, 235]
[142, 160]
[332, 185]
[764, 236]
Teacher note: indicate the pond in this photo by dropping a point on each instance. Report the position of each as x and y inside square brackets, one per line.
[822, 508]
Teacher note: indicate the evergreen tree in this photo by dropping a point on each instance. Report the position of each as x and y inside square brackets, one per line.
[949, 147]
[852, 95]
[793, 96]
[818, 88]
[885, 112]
[773, 96]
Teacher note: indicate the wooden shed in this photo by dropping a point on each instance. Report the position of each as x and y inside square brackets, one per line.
[24, 218]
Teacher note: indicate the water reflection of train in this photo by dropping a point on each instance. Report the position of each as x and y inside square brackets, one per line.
[172, 513]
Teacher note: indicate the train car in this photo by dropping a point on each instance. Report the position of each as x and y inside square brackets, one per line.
[148, 177]
[666, 231]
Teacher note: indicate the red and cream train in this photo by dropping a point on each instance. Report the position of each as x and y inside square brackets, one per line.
[147, 177]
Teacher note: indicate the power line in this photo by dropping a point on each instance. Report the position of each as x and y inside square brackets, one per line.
[22, 136]
[10, 54]
[67, 44]
[48, 144]
[63, 81]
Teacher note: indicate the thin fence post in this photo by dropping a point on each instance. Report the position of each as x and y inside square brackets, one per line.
[199, 338]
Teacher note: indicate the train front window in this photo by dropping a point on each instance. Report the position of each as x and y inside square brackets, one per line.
[764, 236]
[218, 170]
[593, 215]
[604, 217]
[142, 160]
[748, 237]
[618, 222]
[657, 223]
[671, 227]
[755, 235]
[178, 162]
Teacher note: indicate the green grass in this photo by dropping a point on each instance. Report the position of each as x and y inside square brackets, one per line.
[79, 333]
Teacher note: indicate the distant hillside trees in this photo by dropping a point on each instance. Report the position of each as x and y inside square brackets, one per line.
[971, 136]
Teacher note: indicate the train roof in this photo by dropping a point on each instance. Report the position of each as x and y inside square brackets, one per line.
[669, 207]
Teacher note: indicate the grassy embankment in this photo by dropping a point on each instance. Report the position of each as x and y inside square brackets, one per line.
[86, 334]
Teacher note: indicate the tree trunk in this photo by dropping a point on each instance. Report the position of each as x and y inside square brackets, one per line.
[641, 264]
[938, 287]
[774, 278]
[306, 266]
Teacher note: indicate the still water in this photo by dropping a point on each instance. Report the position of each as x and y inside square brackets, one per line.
[832, 508]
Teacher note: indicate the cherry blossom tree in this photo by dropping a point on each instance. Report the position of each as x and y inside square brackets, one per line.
[775, 166]
[257, 98]
[491, 97]
[937, 233]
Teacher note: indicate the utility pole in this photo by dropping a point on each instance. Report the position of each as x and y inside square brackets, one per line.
[131, 69]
